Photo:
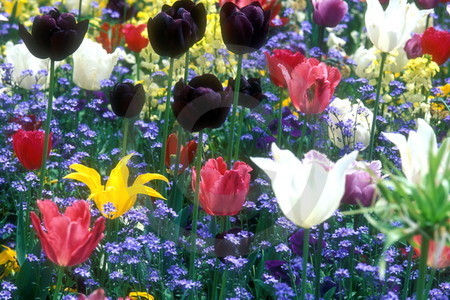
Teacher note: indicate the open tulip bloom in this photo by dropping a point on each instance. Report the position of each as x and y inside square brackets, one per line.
[116, 191]
[308, 191]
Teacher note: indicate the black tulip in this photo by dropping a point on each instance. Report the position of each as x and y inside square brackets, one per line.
[224, 247]
[244, 30]
[121, 7]
[54, 35]
[250, 93]
[127, 99]
[202, 103]
[177, 28]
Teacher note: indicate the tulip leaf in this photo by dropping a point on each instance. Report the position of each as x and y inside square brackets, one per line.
[21, 247]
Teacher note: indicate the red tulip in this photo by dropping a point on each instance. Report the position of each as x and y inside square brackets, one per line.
[285, 57]
[110, 36]
[438, 256]
[67, 239]
[222, 191]
[28, 147]
[437, 44]
[29, 122]
[187, 153]
[133, 36]
[311, 85]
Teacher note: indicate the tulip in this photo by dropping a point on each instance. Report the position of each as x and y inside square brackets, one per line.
[244, 30]
[22, 60]
[133, 36]
[438, 252]
[187, 152]
[110, 36]
[389, 29]
[308, 191]
[201, 104]
[360, 183]
[273, 5]
[286, 58]
[349, 123]
[28, 147]
[28, 123]
[250, 93]
[127, 100]
[413, 47]
[437, 44]
[116, 192]
[328, 13]
[177, 28]
[8, 259]
[91, 65]
[427, 4]
[67, 239]
[98, 294]
[122, 8]
[222, 191]
[234, 242]
[311, 85]
[296, 242]
[414, 151]
[54, 35]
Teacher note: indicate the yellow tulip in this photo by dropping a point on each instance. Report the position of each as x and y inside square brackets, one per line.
[117, 192]
[9, 260]
[140, 295]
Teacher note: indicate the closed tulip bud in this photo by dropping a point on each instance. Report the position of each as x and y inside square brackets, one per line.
[54, 35]
[187, 152]
[29, 146]
[413, 47]
[328, 13]
[250, 93]
[437, 44]
[288, 59]
[133, 36]
[234, 242]
[202, 103]
[222, 191]
[244, 30]
[177, 28]
[67, 239]
[127, 99]
[121, 7]
[427, 4]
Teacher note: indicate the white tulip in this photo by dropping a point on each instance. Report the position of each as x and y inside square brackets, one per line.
[414, 152]
[356, 120]
[308, 191]
[390, 29]
[22, 60]
[92, 64]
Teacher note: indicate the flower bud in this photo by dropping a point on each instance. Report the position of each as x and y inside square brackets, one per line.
[127, 99]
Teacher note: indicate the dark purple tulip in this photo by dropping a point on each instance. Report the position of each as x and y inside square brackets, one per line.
[239, 247]
[127, 99]
[328, 13]
[244, 30]
[296, 242]
[177, 28]
[427, 4]
[202, 103]
[327, 285]
[250, 93]
[360, 185]
[122, 8]
[413, 47]
[54, 35]
[275, 268]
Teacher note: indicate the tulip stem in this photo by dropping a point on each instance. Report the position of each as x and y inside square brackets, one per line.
[186, 66]
[162, 169]
[320, 38]
[79, 8]
[280, 118]
[239, 132]
[420, 293]
[58, 283]
[198, 165]
[126, 125]
[177, 166]
[407, 275]
[318, 256]
[377, 104]
[237, 84]
[47, 127]
[138, 66]
[304, 262]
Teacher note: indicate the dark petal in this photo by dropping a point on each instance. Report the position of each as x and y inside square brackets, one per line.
[181, 94]
[66, 21]
[179, 37]
[237, 32]
[206, 80]
[54, 13]
[199, 16]
[165, 8]
[255, 14]
[227, 10]
[186, 4]
[37, 49]
[63, 44]
[137, 102]
[260, 33]
[42, 31]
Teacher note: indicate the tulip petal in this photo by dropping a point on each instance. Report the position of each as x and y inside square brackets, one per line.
[145, 190]
[86, 175]
[144, 178]
[118, 178]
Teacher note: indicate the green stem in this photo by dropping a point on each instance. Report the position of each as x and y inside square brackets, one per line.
[47, 127]
[304, 262]
[320, 38]
[420, 294]
[79, 9]
[318, 257]
[126, 125]
[239, 132]
[237, 84]
[280, 118]
[186, 66]
[302, 137]
[58, 283]
[377, 104]
[407, 275]
[223, 287]
[177, 165]
[162, 168]
[138, 66]
[198, 165]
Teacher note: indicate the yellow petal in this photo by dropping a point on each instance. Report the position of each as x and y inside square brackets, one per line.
[143, 189]
[86, 175]
[119, 175]
[144, 178]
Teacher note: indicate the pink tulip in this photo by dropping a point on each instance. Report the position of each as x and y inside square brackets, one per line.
[98, 294]
[67, 239]
[222, 191]
[311, 85]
